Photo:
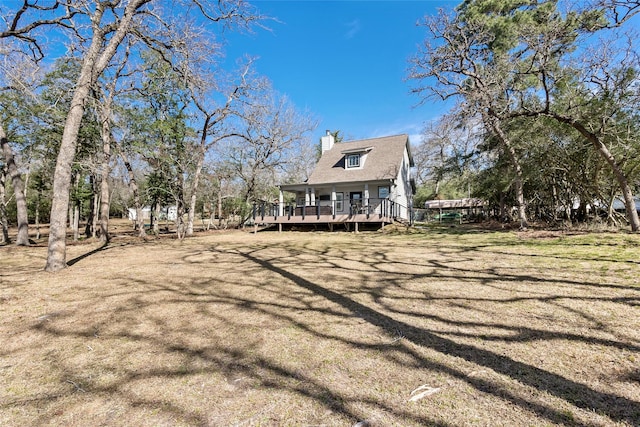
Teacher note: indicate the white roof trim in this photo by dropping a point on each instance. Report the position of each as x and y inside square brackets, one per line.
[357, 150]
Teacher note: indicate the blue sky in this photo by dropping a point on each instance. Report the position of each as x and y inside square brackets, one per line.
[345, 62]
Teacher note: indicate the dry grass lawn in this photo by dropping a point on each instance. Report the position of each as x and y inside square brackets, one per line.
[325, 329]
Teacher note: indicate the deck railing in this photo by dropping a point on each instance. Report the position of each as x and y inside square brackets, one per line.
[372, 209]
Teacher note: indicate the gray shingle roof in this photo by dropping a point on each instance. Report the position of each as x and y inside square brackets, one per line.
[383, 161]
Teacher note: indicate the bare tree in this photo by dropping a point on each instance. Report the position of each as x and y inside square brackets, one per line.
[520, 61]
[593, 92]
[451, 56]
[214, 127]
[4, 220]
[105, 96]
[104, 40]
[447, 150]
[18, 189]
[100, 29]
[271, 139]
[601, 106]
[16, 71]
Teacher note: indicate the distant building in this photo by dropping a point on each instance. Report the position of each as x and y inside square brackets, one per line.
[170, 213]
[455, 209]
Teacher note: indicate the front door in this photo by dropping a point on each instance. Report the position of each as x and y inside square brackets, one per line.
[356, 201]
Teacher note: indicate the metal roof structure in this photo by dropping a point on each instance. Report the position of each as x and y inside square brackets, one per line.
[455, 204]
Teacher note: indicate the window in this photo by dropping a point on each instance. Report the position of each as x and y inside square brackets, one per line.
[383, 192]
[339, 202]
[353, 161]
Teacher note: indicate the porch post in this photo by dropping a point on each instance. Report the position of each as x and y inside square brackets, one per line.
[313, 196]
[333, 201]
[280, 203]
[366, 198]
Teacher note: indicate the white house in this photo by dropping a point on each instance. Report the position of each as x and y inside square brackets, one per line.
[367, 180]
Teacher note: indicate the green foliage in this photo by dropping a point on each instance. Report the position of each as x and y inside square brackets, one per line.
[35, 117]
[159, 132]
[570, 117]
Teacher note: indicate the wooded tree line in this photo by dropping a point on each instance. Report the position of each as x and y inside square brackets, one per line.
[109, 105]
[547, 106]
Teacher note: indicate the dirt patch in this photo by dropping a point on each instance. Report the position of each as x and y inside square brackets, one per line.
[411, 329]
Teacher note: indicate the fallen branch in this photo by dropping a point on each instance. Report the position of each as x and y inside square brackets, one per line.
[426, 391]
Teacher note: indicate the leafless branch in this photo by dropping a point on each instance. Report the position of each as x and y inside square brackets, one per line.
[23, 31]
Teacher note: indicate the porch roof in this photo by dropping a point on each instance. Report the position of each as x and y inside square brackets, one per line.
[304, 185]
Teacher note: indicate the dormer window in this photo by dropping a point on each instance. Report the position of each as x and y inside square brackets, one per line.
[353, 161]
[354, 158]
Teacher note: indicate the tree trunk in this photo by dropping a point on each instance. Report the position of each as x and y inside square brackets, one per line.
[95, 61]
[76, 222]
[155, 220]
[194, 190]
[106, 171]
[4, 221]
[18, 189]
[133, 185]
[192, 204]
[90, 226]
[37, 220]
[503, 206]
[96, 214]
[75, 214]
[621, 178]
[610, 212]
[57, 248]
[180, 205]
[515, 163]
[220, 205]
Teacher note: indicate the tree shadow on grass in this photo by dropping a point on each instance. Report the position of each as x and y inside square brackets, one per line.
[103, 247]
[617, 408]
[210, 294]
[210, 360]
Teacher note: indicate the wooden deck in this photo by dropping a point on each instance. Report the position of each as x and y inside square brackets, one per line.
[381, 213]
[323, 219]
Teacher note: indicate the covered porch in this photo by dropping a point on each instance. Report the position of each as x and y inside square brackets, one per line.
[350, 203]
[380, 211]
